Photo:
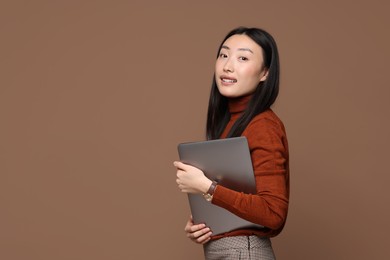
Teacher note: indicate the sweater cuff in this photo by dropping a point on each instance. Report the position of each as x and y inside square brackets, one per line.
[223, 196]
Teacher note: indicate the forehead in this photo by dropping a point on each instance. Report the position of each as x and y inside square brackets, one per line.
[240, 42]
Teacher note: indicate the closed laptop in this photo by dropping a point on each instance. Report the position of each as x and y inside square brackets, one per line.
[228, 162]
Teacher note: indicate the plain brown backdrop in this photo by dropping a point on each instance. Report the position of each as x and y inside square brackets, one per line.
[96, 95]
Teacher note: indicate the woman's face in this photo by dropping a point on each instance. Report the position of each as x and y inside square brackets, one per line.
[239, 67]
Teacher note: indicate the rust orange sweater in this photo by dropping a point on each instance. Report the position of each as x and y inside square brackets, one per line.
[269, 152]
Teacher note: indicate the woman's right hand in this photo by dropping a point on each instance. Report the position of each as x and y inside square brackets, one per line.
[198, 233]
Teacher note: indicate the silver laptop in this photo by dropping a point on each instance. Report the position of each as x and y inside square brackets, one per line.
[228, 162]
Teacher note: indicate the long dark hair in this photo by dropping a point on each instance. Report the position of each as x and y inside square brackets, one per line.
[264, 96]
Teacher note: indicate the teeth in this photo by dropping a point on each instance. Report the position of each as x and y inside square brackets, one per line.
[229, 80]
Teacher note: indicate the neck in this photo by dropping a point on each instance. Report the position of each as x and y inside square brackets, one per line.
[239, 104]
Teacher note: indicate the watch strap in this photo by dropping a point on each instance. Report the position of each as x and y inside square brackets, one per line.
[212, 188]
[209, 195]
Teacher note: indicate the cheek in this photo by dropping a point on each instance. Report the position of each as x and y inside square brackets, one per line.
[217, 67]
[252, 71]
[251, 75]
[252, 80]
[216, 71]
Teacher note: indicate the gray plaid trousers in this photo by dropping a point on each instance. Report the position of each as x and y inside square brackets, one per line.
[239, 247]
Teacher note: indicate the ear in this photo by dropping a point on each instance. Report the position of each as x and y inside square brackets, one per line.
[264, 75]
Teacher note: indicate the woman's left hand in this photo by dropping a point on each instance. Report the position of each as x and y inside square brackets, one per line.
[191, 179]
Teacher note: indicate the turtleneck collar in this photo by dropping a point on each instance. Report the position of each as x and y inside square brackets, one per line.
[239, 104]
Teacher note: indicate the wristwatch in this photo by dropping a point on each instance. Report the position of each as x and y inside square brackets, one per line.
[209, 195]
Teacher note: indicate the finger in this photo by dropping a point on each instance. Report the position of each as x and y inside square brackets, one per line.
[200, 233]
[189, 223]
[207, 240]
[204, 239]
[195, 228]
[191, 228]
[180, 165]
[180, 173]
[180, 182]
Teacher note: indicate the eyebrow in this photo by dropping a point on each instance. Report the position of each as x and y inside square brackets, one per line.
[240, 49]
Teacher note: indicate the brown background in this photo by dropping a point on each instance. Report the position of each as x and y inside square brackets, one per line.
[95, 96]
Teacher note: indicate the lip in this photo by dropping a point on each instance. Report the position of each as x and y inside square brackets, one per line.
[227, 81]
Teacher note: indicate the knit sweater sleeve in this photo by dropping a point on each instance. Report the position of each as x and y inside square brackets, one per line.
[269, 152]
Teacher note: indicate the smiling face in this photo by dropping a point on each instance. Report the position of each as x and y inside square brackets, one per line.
[239, 67]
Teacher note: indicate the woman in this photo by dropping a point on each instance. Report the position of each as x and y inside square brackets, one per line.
[245, 85]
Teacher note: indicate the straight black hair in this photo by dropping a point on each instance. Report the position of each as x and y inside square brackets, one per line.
[264, 96]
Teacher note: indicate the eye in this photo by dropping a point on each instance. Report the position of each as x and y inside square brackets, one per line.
[242, 58]
[222, 55]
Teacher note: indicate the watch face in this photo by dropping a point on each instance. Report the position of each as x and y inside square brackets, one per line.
[208, 197]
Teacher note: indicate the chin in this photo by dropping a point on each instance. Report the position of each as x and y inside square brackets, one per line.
[231, 96]
[228, 94]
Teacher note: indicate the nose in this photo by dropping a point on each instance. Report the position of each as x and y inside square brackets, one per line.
[228, 66]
